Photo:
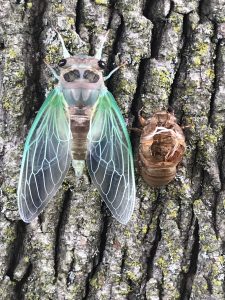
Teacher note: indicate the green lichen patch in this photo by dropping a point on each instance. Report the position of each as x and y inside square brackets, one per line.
[131, 276]
[10, 190]
[102, 2]
[70, 21]
[8, 234]
[58, 7]
[29, 5]
[176, 21]
[162, 77]
[98, 281]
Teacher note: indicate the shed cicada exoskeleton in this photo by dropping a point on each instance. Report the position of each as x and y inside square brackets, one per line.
[162, 146]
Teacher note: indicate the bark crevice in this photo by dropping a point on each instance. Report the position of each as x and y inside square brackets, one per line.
[215, 84]
[188, 278]
[60, 228]
[159, 22]
[203, 6]
[182, 59]
[16, 250]
[112, 9]
[137, 103]
[79, 16]
[33, 60]
[101, 249]
[153, 250]
[19, 295]
[115, 50]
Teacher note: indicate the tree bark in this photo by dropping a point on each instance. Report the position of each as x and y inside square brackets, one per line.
[173, 247]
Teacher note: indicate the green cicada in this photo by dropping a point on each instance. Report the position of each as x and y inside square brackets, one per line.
[78, 121]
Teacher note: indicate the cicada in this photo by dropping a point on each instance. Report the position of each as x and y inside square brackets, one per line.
[162, 146]
[79, 121]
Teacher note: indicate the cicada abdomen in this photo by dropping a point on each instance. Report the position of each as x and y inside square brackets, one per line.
[79, 122]
[162, 146]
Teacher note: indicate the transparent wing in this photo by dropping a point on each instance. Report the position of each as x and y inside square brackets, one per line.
[110, 160]
[46, 156]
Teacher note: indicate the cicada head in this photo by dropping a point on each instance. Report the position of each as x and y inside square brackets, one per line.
[165, 119]
[81, 79]
[81, 76]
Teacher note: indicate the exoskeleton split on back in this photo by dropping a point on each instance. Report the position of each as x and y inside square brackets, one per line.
[78, 121]
[162, 146]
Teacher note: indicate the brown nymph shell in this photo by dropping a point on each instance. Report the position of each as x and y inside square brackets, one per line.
[162, 146]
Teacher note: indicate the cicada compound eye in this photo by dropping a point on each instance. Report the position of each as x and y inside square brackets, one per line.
[92, 77]
[71, 75]
[62, 62]
[102, 64]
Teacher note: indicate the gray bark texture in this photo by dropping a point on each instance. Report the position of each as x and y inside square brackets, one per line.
[173, 247]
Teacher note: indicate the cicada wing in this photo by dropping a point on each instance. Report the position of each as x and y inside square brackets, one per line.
[46, 157]
[110, 159]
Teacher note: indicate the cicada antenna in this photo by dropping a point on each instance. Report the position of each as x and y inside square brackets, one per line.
[66, 53]
[103, 39]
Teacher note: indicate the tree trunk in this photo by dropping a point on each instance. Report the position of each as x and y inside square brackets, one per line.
[173, 247]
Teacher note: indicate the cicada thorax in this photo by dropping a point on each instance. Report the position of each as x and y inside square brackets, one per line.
[162, 146]
[81, 82]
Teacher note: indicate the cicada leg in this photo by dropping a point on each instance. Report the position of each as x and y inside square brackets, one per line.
[141, 119]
